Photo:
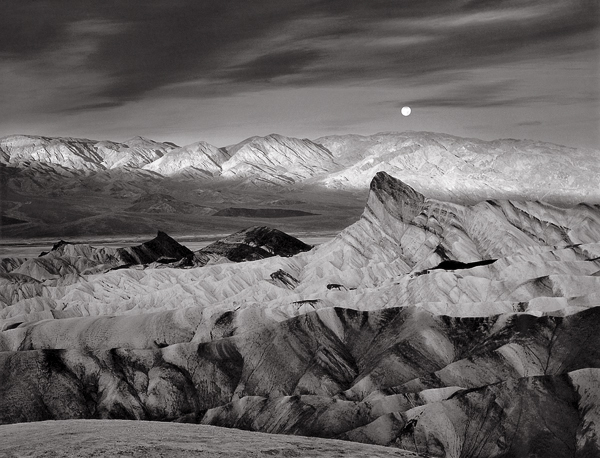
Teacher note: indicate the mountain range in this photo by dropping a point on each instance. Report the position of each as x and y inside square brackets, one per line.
[72, 187]
[455, 313]
[431, 326]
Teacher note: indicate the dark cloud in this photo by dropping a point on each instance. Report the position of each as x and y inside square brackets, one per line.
[232, 45]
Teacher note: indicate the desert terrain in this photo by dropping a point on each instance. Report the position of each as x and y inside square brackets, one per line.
[435, 295]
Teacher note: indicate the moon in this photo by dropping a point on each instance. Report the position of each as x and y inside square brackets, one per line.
[405, 111]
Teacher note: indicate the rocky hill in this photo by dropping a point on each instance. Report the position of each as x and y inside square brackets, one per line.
[440, 328]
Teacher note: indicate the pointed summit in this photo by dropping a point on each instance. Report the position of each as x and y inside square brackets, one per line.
[394, 197]
[162, 246]
[250, 244]
[383, 183]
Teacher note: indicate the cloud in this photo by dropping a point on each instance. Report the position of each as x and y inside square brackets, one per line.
[529, 123]
[91, 106]
[278, 64]
[139, 48]
[476, 95]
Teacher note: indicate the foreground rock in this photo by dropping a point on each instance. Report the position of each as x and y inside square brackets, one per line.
[141, 439]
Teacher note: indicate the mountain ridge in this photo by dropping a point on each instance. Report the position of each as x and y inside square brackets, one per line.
[65, 188]
[347, 161]
[442, 328]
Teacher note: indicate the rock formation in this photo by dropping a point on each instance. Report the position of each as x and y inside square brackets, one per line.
[252, 244]
[441, 328]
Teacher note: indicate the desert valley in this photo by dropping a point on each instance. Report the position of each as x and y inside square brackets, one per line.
[435, 295]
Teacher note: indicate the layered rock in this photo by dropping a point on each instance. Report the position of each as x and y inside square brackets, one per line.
[446, 329]
[162, 247]
[546, 261]
[67, 258]
[397, 376]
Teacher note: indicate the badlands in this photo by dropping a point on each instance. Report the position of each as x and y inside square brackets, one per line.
[456, 316]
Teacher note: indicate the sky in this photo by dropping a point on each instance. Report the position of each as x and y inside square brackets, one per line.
[224, 70]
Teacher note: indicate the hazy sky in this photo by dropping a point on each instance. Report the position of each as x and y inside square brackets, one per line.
[223, 70]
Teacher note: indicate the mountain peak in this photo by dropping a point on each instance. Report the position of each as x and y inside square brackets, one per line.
[393, 196]
[140, 140]
[385, 184]
[162, 246]
[253, 243]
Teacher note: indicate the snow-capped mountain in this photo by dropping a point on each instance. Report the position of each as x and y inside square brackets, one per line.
[77, 154]
[439, 164]
[135, 152]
